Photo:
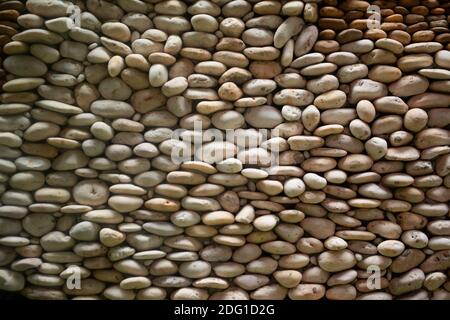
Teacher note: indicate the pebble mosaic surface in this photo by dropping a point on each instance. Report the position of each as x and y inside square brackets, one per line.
[327, 174]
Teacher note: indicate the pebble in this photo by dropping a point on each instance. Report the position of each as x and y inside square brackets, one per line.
[25, 66]
[335, 261]
[263, 117]
[318, 227]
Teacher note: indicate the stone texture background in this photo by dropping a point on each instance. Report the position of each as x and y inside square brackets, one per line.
[92, 91]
